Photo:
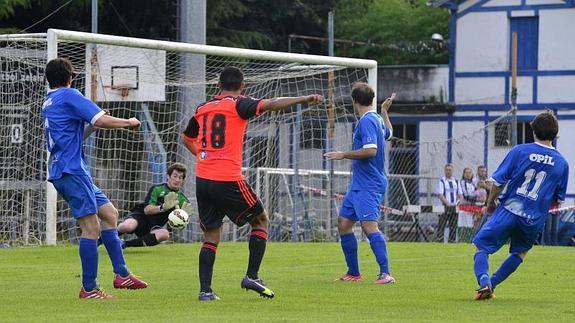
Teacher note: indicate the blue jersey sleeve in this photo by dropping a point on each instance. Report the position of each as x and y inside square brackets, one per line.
[368, 129]
[387, 133]
[505, 169]
[561, 189]
[82, 108]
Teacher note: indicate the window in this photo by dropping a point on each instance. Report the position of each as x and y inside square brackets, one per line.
[404, 131]
[527, 29]
[503, 133]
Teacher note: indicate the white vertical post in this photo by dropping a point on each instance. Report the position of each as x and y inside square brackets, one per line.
[372, 80]
[51, 195]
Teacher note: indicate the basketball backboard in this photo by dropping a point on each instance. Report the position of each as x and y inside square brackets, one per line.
[125, 73]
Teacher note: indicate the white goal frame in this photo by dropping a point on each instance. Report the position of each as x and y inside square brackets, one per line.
[56, 35]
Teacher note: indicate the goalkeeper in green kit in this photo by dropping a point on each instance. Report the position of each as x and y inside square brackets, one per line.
[148, 220]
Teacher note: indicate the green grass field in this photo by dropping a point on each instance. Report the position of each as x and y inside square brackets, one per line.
[435, 283]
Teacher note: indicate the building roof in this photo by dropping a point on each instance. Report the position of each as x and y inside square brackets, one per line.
[438, 3]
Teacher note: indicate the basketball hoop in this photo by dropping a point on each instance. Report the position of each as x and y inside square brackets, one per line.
[124, 89]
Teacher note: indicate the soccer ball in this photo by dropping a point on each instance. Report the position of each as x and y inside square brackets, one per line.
[178, 219]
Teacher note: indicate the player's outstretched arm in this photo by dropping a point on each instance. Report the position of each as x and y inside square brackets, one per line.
[90, 128]
[276, 104]
[362, 153]
[107, 121]
[384, 109]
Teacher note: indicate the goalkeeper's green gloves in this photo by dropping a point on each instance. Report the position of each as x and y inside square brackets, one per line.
[170, 201]
[187, 207]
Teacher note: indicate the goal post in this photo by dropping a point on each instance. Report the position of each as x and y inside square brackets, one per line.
[155, 85]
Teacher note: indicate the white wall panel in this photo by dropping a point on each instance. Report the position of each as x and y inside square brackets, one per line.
[556, 39]
[482, 42]
[480, 90]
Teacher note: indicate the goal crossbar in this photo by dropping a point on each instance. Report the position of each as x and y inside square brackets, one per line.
[209, 50]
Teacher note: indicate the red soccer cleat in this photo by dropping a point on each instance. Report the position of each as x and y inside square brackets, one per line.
[130, 282]
[96, 293]
[350, 278]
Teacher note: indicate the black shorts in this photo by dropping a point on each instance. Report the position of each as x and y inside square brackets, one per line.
[145, 224]
[217, 199]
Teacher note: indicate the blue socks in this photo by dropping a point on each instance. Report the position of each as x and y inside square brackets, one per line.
[506, 269]
[89, 258]
[481, 267]
[377, 242]
[349, 247]
[113, 245]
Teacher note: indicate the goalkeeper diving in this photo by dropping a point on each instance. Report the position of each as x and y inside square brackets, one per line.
[148, 220]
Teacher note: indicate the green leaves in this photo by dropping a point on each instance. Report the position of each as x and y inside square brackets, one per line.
[403, 27]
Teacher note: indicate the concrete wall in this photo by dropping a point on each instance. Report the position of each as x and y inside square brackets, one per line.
[413, 83]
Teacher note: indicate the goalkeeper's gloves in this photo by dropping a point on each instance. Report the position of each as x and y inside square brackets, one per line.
[187, 207]
[170, 201]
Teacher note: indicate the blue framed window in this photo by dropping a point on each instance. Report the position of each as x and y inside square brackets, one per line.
[527, 29]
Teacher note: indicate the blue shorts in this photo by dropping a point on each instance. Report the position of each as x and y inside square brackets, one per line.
[83, 197]
[504, 226]
[361, 205]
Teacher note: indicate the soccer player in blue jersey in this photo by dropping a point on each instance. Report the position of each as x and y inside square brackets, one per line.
[68, 118]
[368, 184]
[530, 178]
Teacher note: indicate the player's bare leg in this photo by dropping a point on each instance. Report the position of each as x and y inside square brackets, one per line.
[109, 235]
[90, 227]
[257, 247]
[206, 263]
[349, 248]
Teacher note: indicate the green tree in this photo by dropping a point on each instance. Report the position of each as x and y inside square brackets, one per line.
[404, 27]
[267, 24]
[7, 9]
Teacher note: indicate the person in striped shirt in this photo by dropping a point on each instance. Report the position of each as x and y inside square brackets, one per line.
[448, 192]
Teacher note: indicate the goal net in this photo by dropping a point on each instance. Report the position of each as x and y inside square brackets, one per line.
[161, 83]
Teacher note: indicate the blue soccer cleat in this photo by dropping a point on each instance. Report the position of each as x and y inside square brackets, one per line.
[258, 286]
[208, 296]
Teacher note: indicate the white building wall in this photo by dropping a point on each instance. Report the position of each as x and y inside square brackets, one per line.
[565, 147]
[556, 39]
[532, 2]
[482, 43]
[468, 145]
[556, 89]
[480, 90]
[432, 157]
[498, 3]
[524, 89]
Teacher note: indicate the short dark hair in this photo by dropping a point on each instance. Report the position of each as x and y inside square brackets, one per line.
[545, 125]
[231, 78]
[362, 94]
[58, 72]
[179, 167]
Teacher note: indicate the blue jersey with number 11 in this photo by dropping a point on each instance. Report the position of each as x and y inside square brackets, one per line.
[536, 175]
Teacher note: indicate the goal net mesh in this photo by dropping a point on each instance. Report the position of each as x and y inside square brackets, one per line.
[283, 151]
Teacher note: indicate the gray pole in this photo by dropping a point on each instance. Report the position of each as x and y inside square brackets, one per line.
[295, 182]
[93, 93]
[330, 34]
[95, 16]
[192, 71]
[331, 219]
